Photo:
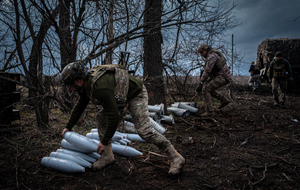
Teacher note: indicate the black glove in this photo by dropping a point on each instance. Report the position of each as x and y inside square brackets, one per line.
[200, 86]
[291, 79]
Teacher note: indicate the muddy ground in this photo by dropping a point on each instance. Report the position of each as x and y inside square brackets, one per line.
[250, 144]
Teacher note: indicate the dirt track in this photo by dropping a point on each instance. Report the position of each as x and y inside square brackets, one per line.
[250, 144]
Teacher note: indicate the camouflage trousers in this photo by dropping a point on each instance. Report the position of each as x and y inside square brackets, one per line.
[138, 108]
[254, 80]
[279, 88]
[209, 90]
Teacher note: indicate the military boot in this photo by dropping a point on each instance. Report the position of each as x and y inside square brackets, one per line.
[176, 160]
[105, 160]
[224, 102]
[210, 111]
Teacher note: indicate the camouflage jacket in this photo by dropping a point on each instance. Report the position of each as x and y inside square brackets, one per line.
[209, 71]
[104, 92]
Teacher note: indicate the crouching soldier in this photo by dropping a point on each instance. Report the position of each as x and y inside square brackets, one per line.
[216, 75]
[112, 87]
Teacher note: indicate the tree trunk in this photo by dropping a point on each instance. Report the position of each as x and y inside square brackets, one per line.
[66, 49]
[110, 29]
[46, 102]
[65, 35]
[36, 65]
[153, 69]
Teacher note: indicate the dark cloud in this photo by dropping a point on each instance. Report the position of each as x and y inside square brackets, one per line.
[261, 20]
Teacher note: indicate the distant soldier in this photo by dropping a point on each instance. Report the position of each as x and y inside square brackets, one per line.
[279, 72]
[216, 75]
[254, 79]
[113, 88]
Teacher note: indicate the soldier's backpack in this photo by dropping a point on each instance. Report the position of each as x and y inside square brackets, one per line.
[121, 78]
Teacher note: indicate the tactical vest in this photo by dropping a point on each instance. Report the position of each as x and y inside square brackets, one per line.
[219, 63]
[121, 78]
[279, 70]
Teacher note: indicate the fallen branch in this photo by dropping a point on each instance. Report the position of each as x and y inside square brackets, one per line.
[294, 141]
[243, 129]
[152, 164]
[156, 154]
[153, 153]
[252, 151]
[187, 122]
[263, 177]
[264, 118]
[215, 141]
[264, 101]
[261, 167]
[250, 171]
[289, 179]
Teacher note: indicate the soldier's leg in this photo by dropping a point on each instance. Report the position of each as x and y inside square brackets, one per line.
[259, 80]
[255, 81]
[107, 157]
[282, 91]
[250, 81]
[207, 90]
[217, 83]
[275, 87]
[138, 108]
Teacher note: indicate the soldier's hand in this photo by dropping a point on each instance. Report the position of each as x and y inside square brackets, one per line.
[64, 131]
[101, 148]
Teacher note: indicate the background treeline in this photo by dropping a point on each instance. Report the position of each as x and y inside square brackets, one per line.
[38, 38]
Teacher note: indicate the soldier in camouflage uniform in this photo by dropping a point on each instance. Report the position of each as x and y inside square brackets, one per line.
[279, 67]
[216, 75]
[102, 90]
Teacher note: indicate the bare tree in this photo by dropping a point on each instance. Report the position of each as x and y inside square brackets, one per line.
[53, 41]
[67, 49]
[110, 29]
[35, 68]
[153, 68]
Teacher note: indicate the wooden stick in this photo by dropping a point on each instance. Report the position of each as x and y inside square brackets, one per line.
[263, 177]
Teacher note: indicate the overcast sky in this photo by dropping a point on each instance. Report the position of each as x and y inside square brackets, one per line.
[261, 20]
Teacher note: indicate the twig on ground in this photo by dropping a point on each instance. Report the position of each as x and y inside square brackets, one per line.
[151, 164]
[263, 177]
[261, 167]
[156, 154]
[287, 177]
[264, 117]
[187, 122]
[215, 141]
